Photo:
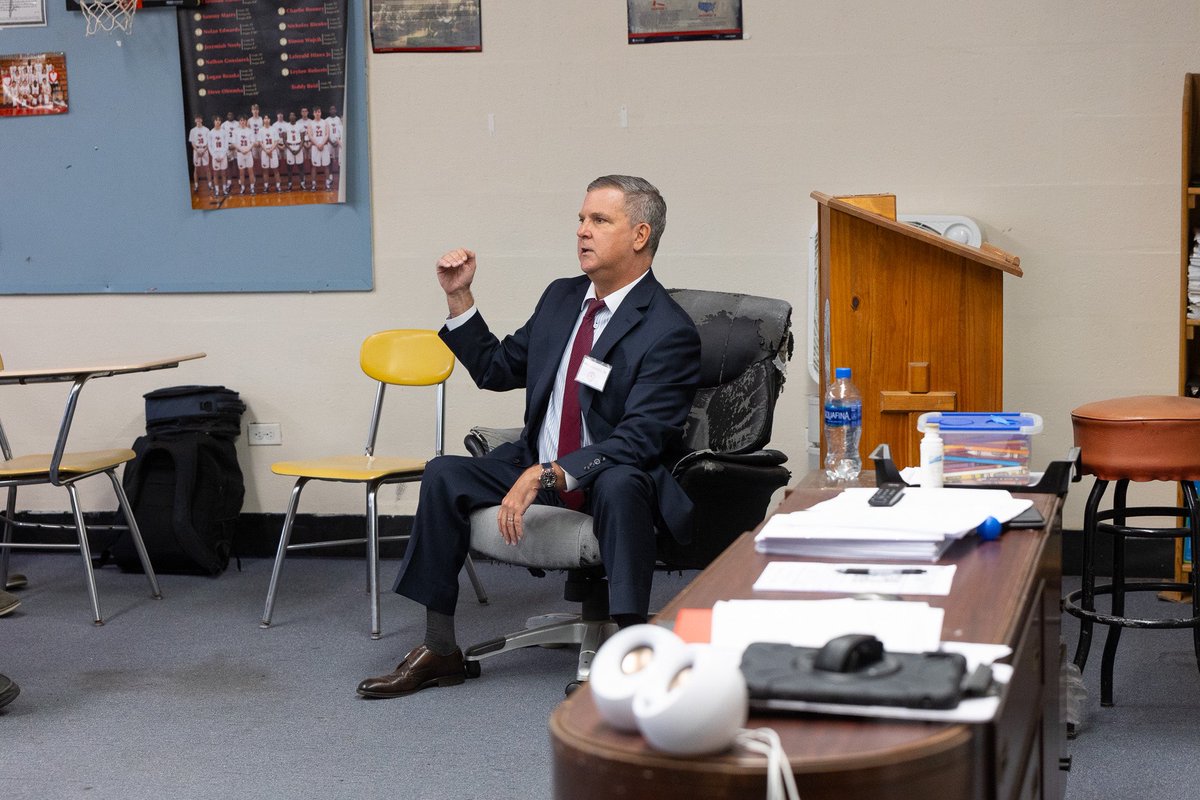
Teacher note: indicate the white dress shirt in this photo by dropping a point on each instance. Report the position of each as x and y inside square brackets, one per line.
[548, 435]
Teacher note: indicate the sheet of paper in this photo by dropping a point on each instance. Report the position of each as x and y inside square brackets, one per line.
[902, 627]
[816, 576]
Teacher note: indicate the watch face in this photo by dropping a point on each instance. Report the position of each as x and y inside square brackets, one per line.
[549, 480]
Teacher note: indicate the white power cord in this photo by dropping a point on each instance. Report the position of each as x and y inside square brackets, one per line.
[781, 783]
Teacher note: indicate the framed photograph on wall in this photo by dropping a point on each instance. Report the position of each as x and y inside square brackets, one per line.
[33, 84]
[22, 13]
[425, 26]
[653, 21]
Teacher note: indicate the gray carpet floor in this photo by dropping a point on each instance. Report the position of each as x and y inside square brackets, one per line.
[1146, 744]
[188, 698]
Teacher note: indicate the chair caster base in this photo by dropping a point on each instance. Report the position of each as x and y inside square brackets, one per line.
[571, 687]
[473, 669]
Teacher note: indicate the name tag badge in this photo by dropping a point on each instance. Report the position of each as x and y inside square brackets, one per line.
[593, 373]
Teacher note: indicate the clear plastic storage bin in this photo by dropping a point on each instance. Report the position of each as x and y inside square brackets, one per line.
[983, 447]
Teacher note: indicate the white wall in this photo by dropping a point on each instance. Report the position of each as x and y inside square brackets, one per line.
[1055, 125]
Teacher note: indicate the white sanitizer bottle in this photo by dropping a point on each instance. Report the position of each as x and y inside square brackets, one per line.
[931, 457]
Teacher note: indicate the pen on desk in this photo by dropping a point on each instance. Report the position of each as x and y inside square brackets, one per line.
[866, 571]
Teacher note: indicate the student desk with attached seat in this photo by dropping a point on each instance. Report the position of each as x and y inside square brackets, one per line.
[1006, 591]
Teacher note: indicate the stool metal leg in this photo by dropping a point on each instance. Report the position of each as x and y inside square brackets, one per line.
[1118, 595]
[1088, 602]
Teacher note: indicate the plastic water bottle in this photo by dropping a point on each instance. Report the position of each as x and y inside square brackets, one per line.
[843, 427]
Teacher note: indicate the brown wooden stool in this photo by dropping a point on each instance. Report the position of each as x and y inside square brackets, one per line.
[1146, 438]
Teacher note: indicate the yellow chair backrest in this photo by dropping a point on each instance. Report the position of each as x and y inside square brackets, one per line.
[407, 357]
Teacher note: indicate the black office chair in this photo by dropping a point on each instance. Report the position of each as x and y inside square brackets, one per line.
[745, 343]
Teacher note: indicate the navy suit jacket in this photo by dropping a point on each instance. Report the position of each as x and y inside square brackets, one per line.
[637, 420]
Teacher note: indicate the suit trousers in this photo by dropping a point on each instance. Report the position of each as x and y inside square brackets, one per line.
[622, 502]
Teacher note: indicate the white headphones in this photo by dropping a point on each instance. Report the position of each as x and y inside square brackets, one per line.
[685, 699]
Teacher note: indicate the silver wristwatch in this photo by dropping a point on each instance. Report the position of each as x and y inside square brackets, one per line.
[549, 479]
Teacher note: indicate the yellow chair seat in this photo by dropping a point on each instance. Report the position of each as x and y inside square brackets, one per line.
[72, 463]
[351, 468]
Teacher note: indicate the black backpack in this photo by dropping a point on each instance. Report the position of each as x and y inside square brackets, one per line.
[185, 485]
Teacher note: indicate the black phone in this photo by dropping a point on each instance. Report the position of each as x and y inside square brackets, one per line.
[1029, 518]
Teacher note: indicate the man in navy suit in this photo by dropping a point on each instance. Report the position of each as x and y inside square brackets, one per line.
[608, 386]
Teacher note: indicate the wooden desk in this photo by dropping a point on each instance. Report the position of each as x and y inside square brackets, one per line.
[1005, 591]
[78, 375]
[83, 373]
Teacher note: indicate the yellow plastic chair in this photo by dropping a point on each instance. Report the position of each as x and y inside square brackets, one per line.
[66, 469]
[397, 358]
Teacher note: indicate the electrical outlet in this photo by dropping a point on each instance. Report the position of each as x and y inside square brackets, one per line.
[261, 433]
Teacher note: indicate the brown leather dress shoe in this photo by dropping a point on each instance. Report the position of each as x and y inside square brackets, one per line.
[420, 669]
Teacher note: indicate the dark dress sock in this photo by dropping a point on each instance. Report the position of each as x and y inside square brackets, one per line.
[439, 632]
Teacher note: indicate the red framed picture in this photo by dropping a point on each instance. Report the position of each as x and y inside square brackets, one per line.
[33, 84]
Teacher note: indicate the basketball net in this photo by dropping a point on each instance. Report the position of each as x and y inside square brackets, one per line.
[108, 15]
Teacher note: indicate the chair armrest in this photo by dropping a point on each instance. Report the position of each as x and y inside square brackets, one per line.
[758, 458]
[481, 441]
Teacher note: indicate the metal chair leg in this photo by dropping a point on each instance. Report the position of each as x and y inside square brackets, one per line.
[480, 592]
[9, 519]
[285, 537]
[135, 533]
[373, 556]
[86, 551]
[592, 639]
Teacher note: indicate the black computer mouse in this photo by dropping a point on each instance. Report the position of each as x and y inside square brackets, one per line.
[849, 653]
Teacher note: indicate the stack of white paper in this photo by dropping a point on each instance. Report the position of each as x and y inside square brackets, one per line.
[919, 527]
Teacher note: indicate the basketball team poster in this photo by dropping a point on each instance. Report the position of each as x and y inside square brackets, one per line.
[265, 102]
[33, 84]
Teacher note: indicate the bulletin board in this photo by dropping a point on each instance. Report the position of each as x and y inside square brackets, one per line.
[96, 200]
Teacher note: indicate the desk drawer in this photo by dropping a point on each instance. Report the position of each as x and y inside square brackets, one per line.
[1015, 728]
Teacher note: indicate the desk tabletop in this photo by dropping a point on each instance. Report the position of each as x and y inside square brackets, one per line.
[68, 373]
[994, 587]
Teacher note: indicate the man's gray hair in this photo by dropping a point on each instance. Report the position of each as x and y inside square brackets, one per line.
[643, 203]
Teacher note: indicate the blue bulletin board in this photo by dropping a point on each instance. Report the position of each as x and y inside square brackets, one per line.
[96, 200]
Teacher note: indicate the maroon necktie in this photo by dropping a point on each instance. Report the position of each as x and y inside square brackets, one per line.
[570, 427]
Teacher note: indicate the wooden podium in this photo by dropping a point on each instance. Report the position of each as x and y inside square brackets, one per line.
[919, 319]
